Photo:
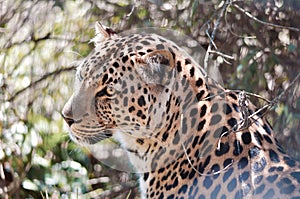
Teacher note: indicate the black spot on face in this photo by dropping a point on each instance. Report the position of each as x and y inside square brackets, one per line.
[116, 65]
[233, 96]
[224, 148]
[203, 137]
[296, 175]
[246, 137]
[268, 139]
[131, 109]
[227, 109]
[232, 122]
[184, 126]
[183, 189]
[245, 175]
[111, 70]
[124, 59]
[227, 162]
[236, 108]
[258, 138]
[215, 192]
[105, 78]
[259, 189]
[269, 194]
[215, 119]
[171, 196]
[214, 108]
[192, 72]
[201, 125]
[179, 68]
[139, 47]
[141, 101]
[238, 148]
[232, 185]
[291, 163]
[165, 136]
[193, 112]
[267, 129]
[199, 82]
[272, 178]
[192, 174]
[146, 43]
[160, 46]
[184, 174]
[125, 101]
[243, 163]
[220, 131]
[227, 174]
[258, 179]
[146, 175]
[187, 61]
[176, 138]
[195, 141]
[203, 110]
[215, 168]
[140, 141]
[273, 156]
[127, 118]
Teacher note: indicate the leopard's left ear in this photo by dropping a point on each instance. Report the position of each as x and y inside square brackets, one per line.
[156, 67]
[102, 33]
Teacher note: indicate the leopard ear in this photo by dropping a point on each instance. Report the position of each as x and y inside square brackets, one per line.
[156, 67]
[102, 33]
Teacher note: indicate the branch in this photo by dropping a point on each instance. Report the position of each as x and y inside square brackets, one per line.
[279, 97]
[263, 22]
[44, 77]
[212, 36]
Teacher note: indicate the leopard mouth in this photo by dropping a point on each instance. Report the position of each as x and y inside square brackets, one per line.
[89, 135]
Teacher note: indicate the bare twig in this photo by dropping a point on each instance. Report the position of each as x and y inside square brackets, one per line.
[279, 97]
[132, 10]
[44, 77]
[263, 22]
[212, 36]
[222, 54]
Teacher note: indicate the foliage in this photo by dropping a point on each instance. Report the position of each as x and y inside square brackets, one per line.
[41, 42]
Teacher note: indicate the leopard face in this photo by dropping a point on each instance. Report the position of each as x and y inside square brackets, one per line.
[186, 134]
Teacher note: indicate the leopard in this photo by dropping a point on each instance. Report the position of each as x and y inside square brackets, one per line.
[185, 135]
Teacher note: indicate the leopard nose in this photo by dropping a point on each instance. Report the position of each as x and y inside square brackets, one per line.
[69, 121]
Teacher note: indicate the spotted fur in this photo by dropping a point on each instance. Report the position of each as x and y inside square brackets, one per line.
[187, 135]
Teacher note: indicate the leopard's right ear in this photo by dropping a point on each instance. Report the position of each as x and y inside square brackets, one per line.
[156, 68]
[102, 33]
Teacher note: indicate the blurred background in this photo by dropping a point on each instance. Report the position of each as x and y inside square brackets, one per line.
[41, 43]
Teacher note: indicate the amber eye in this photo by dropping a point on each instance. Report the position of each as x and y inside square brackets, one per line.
[110, 91]
[107, 91]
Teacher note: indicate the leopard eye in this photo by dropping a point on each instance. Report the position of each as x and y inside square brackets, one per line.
[106, 92]
[110, 89]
